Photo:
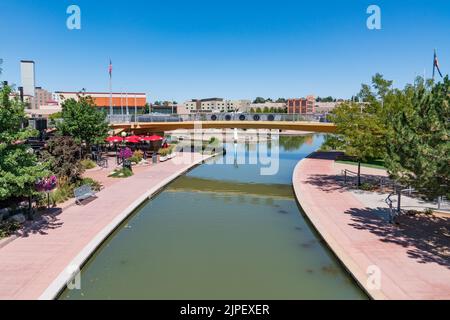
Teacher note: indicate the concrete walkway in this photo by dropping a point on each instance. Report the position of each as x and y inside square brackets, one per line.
[33, 266]
[413, 262]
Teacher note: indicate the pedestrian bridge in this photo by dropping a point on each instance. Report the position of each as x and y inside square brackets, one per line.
[159, 123]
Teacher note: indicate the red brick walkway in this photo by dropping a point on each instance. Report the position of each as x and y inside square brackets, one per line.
[358, 235]
[32, 263]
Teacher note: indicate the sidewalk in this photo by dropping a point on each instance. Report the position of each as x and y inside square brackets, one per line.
[33, 266]
[413, 260]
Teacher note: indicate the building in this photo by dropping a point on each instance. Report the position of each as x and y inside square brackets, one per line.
[122, 103]
[277, 107]
[325, 107]
[27, 76]
[301, 105]
[214, 105]
[165, 107]
[41, 98]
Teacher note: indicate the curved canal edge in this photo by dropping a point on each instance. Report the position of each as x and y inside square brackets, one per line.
[308, 203]
[58, 284]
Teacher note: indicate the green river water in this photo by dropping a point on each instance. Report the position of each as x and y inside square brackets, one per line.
[222, 231]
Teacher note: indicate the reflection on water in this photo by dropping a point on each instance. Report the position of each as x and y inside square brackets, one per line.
[220, 232]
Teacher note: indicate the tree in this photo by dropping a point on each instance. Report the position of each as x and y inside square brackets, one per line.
[258, 110]
[281, 100]
[19, 166]
[252, 110]
[360, 135]
[266, 110]
[63, 155]
[418, 148]
[83, 121]
[259, 100]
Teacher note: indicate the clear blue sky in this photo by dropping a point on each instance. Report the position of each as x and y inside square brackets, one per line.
[226, 48]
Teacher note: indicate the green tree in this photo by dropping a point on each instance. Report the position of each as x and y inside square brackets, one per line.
[83, 121]
[266, 110]
[360, 135]
[258, 110]
[281, 100]
[252, 110]
[418, 148]
[19, 166]
[259, 100]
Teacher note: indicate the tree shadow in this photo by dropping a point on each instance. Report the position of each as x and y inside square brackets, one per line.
[328, 183]
[47, 220]
[426, 237]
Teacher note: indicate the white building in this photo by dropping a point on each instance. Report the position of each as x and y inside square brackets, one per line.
[214, 105]
[325, 107]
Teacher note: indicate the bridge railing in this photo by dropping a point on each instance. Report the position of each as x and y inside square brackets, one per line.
[215, 117]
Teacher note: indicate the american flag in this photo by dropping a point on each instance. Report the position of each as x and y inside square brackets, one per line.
[436, 64]
[110, 68]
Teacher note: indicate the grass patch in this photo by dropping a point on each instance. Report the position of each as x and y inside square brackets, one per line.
[377, 164]
[88, 164]
[121, 173]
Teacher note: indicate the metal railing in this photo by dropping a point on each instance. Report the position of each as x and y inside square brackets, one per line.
[214, 117]
[383, 182]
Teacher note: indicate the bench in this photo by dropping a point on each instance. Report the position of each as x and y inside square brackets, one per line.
[83, 193]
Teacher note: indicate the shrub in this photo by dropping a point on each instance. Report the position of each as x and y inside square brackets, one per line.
[88, 164]
[121, 173]
[137, 157]
[125, 153]
[164, 152]
[7, 228]
[95, 185]
[367, 186]
[64, 153]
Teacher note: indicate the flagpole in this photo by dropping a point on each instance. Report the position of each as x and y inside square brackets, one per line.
[110, 89]
[434, 62]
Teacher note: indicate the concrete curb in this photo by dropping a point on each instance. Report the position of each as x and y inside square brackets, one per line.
[58, 284]
[359, 275]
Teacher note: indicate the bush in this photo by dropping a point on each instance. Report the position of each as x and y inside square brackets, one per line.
[367, 186]
[88, 164]
[95, 185]
[137, 157]
[7, 228]
[121, 173]
[164, 152]
[63, 193]
[64, 153]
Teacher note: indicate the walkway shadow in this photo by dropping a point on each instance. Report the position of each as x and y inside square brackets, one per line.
[47, 221]
[325, 155]
[427, 237]
[328, 183]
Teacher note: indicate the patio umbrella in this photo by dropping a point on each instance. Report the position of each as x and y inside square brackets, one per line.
[133, 139]
[152, 138]
[114, 139]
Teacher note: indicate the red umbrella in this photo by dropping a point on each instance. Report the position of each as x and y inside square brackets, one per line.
[133, 139]
[152, 138]
[114, 139]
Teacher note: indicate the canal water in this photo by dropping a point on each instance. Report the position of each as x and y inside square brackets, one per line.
[222, 231]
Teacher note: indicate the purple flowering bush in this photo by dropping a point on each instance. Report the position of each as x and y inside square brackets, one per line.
[46, 184]
[125, 153]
